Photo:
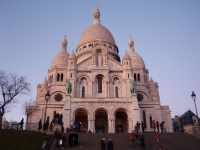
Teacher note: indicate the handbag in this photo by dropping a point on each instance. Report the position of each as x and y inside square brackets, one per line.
[60, 142]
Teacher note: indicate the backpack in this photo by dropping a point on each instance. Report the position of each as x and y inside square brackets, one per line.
[131, 137]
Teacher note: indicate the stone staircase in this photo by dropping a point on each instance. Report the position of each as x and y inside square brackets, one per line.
[169, 141]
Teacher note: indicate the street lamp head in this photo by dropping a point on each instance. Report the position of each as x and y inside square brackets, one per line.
[47, 96]
[193, 96]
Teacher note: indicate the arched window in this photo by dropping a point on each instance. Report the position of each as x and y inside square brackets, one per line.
[52, 78]
[116, 92]
[71, 75]
[61, 77]
[128, 75]
[144, 119]
[99, 81]
[83, 92]
[58, 76]
[135, 78]
[138, 75]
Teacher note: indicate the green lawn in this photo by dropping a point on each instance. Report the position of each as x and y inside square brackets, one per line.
[21, 140]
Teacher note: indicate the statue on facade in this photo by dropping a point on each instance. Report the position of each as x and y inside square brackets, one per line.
[132, 86]
[68, 87]
[99, 60]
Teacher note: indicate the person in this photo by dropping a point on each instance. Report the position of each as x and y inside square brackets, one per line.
[103, 144]
[132, 138]
[142, 126]
[51, 125]
[136, 132]
[46, 125]
[110, 145]
[138, 126]
[157, 137]
[75, 136]
[74, 127]
[58, 136]
[157, 125]
[70, 139]
[21, 124]
[162, 126]
[40, 125]
[142, 139]
[154, 125]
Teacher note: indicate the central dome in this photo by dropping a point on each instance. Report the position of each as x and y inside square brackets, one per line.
[96, 32]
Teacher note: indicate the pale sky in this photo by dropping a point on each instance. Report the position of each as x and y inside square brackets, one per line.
[166, 35]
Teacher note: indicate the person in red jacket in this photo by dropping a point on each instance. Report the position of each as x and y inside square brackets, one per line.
[157, 137]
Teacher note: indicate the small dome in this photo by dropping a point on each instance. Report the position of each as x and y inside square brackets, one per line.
[136, 60]
[60, 60]
[45, 83]
[126, 56]
[151, 81]
[72, 55]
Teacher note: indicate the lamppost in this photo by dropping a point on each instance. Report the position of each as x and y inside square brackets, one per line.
[194, 98]
[47, 96]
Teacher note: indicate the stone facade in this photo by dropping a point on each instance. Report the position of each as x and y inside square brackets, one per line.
[100, 96]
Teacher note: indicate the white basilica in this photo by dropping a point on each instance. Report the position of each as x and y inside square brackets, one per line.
[100, 86]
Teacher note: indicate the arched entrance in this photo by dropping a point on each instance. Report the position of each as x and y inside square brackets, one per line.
[101, 121]
[81, 119]
[121, 121]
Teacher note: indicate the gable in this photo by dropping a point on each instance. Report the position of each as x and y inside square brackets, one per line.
[85, 64]
[114, 65]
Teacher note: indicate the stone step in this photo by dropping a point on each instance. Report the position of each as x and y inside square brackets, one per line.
[169, 141]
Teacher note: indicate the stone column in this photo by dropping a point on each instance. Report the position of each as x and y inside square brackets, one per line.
[111, 125]
[136, 110]
[91, 125]
[66, 111]
[130, 125]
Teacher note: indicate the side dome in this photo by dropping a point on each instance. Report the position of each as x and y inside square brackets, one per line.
[61, 59]
[126, 56]
[72, 55]
[136, 59]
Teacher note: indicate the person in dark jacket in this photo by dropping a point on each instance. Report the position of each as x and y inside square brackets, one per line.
[40, 125]
[142, 139]
[110, 145]
[157, 126]
[103, 144]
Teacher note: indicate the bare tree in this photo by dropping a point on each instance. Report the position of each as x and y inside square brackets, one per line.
[28, 107]
[11, 86]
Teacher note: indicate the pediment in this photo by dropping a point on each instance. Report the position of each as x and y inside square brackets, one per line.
[114, 65]
[85, 64]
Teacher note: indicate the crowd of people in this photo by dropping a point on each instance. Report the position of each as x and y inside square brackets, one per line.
[137, 135]
[64, 139]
